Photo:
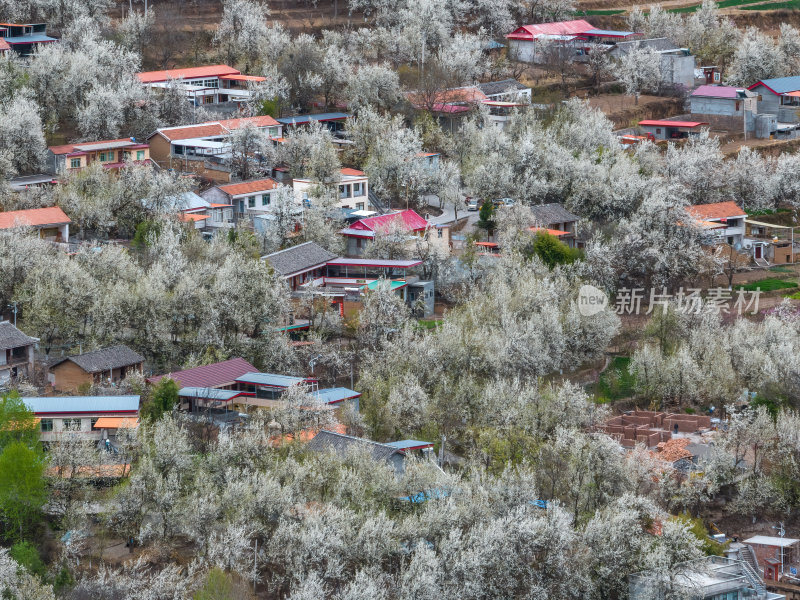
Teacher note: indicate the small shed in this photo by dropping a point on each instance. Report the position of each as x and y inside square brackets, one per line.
[671, 130]
[111, 365]
[782, 549]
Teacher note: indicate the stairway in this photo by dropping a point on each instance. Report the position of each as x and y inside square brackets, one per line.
[751, 571]
[377, 203]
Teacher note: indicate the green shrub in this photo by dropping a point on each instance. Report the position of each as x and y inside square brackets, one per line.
[27, 555]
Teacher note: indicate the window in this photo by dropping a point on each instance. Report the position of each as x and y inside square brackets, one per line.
[658, 130]
[72, 424]
[94, 421]
[140, 155]
[211, 83]
[273, 132]
[251, 202]
[265, 200]
[177, 149]
[241, 206]
[102, 157]
[359, 206]
[737, 106]
[358, 189]
[344, 191]
[208, 99]
[439, 233]
[47, 424]
[358, 242]
[717, 77]
[227, 214]
[109, 156]
[75, 163]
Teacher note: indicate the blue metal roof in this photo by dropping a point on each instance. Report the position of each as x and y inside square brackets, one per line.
[82, 404]
[270, 379]
[302, 119]
[609, 32]
[208, 393]
[35, 38]
[403, 444]
[333, 395]
[781, 85]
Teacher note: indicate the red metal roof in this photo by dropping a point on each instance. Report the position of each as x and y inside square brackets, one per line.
[656, 123]
[409, 219]
[216, 375]
[530, 32]
[717, 91]
[189, 73]
[34, 217]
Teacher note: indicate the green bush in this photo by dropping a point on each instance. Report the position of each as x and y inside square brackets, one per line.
[27, 555]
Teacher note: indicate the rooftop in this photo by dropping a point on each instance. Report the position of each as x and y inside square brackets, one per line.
[335, 395]
[249, 187]
[321, 117]
[547, 214]
[104, 360]
[780, 85]
[209, 393]
[213, 375]
[668, 123]
[34, 217]
[299, 258]
[327, 441]
[11, 337]
[269, 379]
[715, 211]
[492, 88]
[82, 404]
[721, 91]
[189, 73]
[374, 262]
[768, 540]
[408, 220]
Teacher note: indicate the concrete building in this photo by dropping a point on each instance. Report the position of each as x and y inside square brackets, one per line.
[92, 417]
[671, 130]
[111, 154]
[207, 85]
[780, 97]
[725, 107]
[724, 220]
[23, 38]
[353, 190]
[51, 222]
[677, 64]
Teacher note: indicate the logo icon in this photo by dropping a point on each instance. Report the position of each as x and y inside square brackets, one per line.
[591, 300]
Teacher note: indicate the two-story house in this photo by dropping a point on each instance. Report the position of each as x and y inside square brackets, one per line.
[16, 352]
[353, 190]
[247, 198]
[723, 220]
[558, 221]
[208, 217]
[23, 38]
[51, 223]
[111, 154]
[211, 84]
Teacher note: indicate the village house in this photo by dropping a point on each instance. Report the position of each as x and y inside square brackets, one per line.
[528, 43]
[309, 268]
[111, 154]
[779, 97]
[353, 190]
[247, 198]
[203, 148]
[505, 90]
[221, 375]
[558, 221]
[51, 223]
[16, 353]
[208, 85]
[93, 417]
[769, 242]
[300, 264]
[723, 220]
[108, 366]
[207, 217]
[677, 64]
[23, 38]
[665, 129]
[725, 107]
[361, 233]
[342, 445]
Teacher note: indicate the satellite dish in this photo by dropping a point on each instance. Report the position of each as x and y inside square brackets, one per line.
[738, 245]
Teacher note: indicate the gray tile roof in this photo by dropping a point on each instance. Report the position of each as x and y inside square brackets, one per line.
[11, 337]
[491, 88]
[547, 214]
[326, 441]
[781, 85]
[105, 359]
[299, 258]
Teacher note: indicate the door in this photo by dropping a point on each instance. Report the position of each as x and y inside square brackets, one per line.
[757, 252]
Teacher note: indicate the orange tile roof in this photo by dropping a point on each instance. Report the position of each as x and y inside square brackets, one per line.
[249, 187]
[259, 121]
[193, 131]
[716, 210]
[352, 172]
[470, 94]
[190, 73]
[242, 78]
[4, 45]
[186, 217]
[34, 217]
[218, 205]
[555, 232]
